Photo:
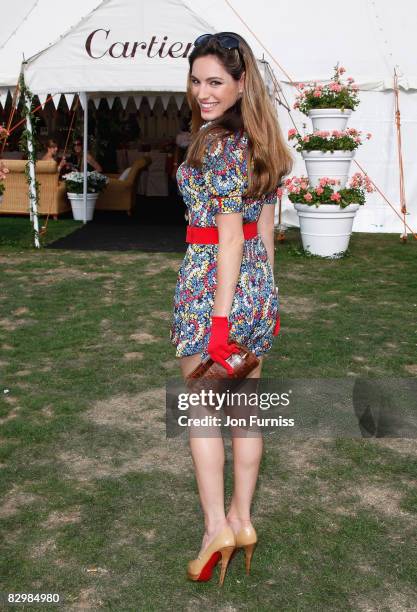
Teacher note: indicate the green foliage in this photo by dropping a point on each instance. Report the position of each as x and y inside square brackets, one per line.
[329, 99]
[347, 196]
[29, 146]
[318, 143]
[96, 182]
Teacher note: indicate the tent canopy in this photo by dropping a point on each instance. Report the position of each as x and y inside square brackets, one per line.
[32, 26]
[124, 45]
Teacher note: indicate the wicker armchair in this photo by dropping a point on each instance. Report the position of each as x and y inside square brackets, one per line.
[121, 194]
[52, 194]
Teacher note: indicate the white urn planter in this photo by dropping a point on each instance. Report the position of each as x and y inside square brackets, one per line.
[333, 164]
[329, 118]
[77, 205]
[326, 229]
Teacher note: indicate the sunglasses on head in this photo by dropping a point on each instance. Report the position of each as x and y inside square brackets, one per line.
[227, 41]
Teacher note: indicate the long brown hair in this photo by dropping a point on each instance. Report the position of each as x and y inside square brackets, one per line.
[269, 156]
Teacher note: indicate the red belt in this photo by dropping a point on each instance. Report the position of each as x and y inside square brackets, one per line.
[210, 235]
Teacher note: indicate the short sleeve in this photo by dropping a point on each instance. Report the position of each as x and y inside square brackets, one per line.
[226, 174]
[270, 198]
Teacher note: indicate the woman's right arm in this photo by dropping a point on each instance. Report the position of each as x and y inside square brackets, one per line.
[229, 260]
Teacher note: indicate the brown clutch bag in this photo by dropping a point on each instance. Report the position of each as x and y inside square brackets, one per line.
[242, 363]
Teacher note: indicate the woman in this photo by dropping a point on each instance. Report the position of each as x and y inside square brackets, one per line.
[76, 158]
[229, 178]
[51, 153]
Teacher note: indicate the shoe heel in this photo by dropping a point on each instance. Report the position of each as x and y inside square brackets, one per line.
[249, 548]
[226, 553]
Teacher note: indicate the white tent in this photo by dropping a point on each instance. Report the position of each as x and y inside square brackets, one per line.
[31, 26]
[130, 47]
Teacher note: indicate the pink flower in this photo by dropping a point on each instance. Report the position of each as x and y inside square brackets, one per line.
[303, 185]
[355, 87]
[291, 133]
[323, 182]
[369, 185]
[335, 197]
[321, 133]
[317, 93]
[342, 70]
[306, 138]
[369, 135]
[319, 190]
[350, 79]
[335, 87]
[296, 105]
[356, 180]
[280, 193]
[301, 85]
[308, 197]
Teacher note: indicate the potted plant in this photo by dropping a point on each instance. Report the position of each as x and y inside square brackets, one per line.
[329, 106]
[74, 181]
[326, 211]
[327, 153]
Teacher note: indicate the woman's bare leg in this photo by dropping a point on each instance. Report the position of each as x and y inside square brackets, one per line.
[247, 454]
[208, 458]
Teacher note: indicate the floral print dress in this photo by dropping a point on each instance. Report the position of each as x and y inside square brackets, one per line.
[217, 188]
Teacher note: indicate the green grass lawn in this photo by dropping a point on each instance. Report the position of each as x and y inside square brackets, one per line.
[98, 506]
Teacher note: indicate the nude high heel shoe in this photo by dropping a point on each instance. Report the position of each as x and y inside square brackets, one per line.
[221, 547]
[246, 538]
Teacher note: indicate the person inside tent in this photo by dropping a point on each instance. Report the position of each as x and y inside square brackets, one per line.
[51, 154]
[183, 139]
[75, 160]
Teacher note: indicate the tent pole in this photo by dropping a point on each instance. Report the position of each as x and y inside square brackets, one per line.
[84, 99]
[33, 210]
[400, 155]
